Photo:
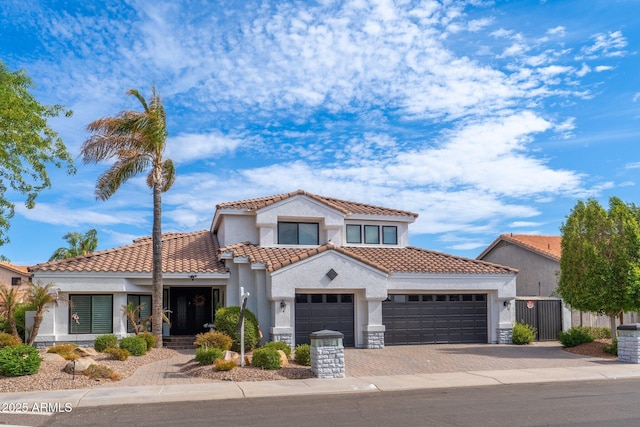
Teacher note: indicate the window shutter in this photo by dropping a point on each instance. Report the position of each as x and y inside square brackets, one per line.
[102, 314]
[81, 305]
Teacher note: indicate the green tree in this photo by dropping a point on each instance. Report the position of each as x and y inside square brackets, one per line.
[600, 263]
[79, 244]
[136, 140]
[27, 144]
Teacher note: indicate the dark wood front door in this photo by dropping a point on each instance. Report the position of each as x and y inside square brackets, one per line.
[191, 309]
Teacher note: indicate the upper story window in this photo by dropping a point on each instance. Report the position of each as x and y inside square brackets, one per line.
[373, 234]
[298, 233]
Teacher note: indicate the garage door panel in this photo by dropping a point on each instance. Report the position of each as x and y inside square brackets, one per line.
[437, 318]
[315, 312]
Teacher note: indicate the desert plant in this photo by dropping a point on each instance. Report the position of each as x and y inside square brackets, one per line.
[575, 336]
[117, 353]
[149, 338]
[9, 300]
[20, 315]
[8, 340]
[227, 322]
[523, 334]
[303, 355]
[279, 345]
[137, 346]
[40, 295]
[266, 358]
[19, 360]
[208, 356]
[101, 372]
[224, 365]
[62, 348]
[611, 348]
[103, 342]
[214, 339]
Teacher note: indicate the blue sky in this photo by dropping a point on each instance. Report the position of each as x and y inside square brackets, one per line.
[483, 117]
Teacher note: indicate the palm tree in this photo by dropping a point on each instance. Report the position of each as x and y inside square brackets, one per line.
[39, 295]
[136, 140]
[79, 244]
[9, 299]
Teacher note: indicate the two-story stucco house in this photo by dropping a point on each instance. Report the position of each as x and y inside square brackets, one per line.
[309, 262]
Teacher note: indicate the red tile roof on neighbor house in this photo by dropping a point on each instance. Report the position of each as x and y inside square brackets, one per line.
[343, 206]
[549, 246]
[20, 269]
[194, 252]
[388, 260]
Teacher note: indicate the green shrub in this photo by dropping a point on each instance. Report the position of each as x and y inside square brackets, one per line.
[8, 340]
[4, 325]
[62, 348]
[575, 336]
[101, 372]
[116, 353]
[20, 316]
[149, 338]
[136, 346]
[266, 358]
[227, 321]
[19, 360]
[208, 356]
[214, 339]
[303, 355]
[104, 342]
[612, 348]
[599, 333]
[523, 334]
[279, 345]
[224, 365]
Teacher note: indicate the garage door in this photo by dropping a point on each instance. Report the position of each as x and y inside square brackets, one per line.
[315, 312]
[435, 318]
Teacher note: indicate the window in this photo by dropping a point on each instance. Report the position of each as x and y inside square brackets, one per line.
[354, 233]
[16, 281]
[145, 312]
[372, 234]
[298, 233]
[389, 235]
[94, 314]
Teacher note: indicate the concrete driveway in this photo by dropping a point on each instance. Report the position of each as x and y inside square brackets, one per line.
[439, 358]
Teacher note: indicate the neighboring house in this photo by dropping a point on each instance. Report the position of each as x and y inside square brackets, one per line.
[309, 262]
[537, 259]
[14, 277]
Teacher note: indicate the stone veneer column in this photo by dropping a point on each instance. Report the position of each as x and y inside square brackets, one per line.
[327, 354]
[505, 335]
[629, 343]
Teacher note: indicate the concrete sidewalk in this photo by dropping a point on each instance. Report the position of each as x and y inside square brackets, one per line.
[372, 384]
[402, 368]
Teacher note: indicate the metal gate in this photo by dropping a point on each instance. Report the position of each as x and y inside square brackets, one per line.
[544, 315]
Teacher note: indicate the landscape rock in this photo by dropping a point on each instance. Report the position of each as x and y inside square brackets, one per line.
[284, 360]
[85, 351]
[51, 357]
[231, 355]
[80, 365]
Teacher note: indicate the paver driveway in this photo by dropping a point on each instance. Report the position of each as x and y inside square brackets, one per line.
[438, 358]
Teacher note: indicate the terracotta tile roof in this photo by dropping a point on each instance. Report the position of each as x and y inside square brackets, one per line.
[343, 206]
[182, 253]
[550, 246]
[388, 260]
[20, 269]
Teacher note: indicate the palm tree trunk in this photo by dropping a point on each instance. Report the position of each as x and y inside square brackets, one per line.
[12, 323]
[37, 321]
[157, 265]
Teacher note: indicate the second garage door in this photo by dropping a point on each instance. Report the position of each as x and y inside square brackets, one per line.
[435, 318]
[315, 312]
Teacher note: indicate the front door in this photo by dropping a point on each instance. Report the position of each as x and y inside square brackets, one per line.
[191, 309]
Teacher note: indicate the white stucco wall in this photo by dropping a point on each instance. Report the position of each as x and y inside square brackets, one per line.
[237, 228]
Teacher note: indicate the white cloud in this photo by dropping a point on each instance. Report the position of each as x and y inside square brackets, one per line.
[189, 147]
[607, 45]
[601, 68]
[73, 217]
[557, 31]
